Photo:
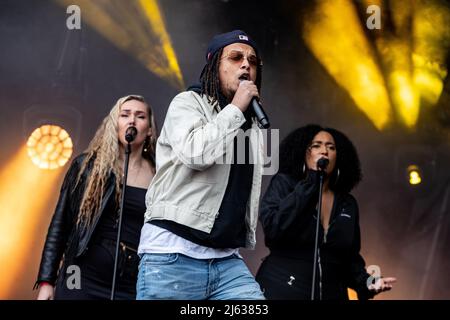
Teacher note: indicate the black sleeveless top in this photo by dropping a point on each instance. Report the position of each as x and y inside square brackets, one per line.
[132, 219]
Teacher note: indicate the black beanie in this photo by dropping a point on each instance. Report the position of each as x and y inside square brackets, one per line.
[222, 40]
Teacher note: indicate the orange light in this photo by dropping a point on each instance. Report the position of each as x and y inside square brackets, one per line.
[49, 147]
[26, 195]
[352, 295]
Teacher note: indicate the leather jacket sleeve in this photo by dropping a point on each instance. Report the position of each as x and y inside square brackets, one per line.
[60, 228]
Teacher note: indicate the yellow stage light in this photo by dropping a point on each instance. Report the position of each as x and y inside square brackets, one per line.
[428, 78]
[49, 147]
[431, 38]
[414, 175]
[137, 28]
[395, 52]
[411, 52]
[349, 59]
[413, 55]
[404, 96]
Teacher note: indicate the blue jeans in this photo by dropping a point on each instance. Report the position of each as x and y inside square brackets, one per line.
[179, 277]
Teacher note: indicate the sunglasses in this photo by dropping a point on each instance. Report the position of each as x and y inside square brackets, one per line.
[237, 56]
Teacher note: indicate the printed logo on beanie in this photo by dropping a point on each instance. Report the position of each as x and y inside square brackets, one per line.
[242, 37]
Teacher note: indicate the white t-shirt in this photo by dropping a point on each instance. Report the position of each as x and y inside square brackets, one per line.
[158, 240]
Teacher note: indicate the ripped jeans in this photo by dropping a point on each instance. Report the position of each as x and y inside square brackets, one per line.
[174, 276]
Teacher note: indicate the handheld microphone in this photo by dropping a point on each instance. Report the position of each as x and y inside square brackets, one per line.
[130, 134]
[259, 113]
[322, 164]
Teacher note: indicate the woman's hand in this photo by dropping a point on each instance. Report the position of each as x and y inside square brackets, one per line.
[46, 292]
[382, 284]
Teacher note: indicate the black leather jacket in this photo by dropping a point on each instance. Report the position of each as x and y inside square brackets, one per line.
[64, 236]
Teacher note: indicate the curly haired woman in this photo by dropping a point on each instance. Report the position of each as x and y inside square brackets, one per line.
[83, 230]
[289, 215]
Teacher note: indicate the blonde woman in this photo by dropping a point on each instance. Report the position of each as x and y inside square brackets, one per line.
[82, 234]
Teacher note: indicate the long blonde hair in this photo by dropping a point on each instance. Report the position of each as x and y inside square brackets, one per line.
[104, 152]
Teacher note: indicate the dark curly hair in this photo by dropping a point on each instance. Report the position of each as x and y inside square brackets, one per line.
[209, 78]
[293, 150]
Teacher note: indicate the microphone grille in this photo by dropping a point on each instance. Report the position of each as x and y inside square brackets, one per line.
[322, 162]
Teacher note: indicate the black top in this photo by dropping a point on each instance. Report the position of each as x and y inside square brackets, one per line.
[229, 230]
[132, 219]
[288, 215]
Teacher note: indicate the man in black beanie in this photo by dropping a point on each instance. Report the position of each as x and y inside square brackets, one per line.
[202, 204]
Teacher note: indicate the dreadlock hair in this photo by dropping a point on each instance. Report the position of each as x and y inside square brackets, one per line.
[293, 150]
[209, 78]
[103, 157]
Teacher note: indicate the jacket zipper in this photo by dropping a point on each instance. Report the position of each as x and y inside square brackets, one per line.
[325, 233]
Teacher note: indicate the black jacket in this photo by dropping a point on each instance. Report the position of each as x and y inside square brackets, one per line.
[289, 215]
[64, 236]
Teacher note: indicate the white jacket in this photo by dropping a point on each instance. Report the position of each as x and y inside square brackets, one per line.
[192, 166]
